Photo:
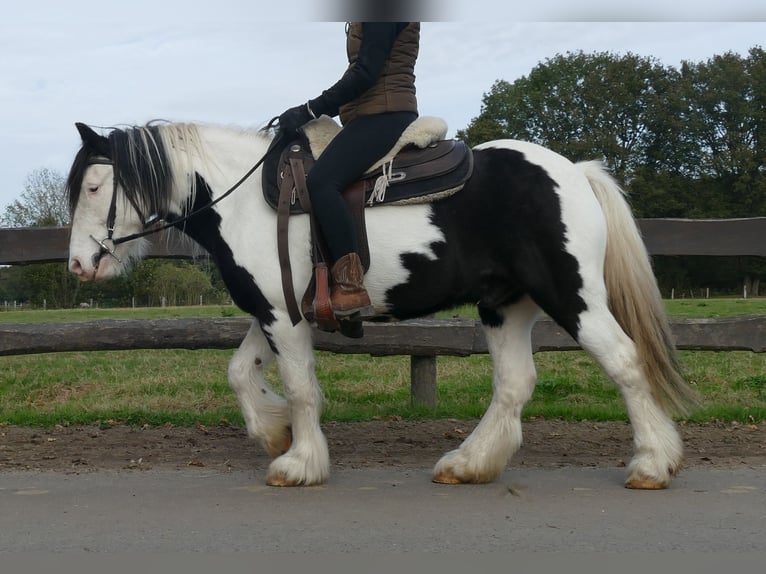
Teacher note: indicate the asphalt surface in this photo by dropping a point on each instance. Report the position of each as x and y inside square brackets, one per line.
[382, 510]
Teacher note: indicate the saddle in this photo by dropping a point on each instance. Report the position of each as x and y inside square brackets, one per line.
[422, 167]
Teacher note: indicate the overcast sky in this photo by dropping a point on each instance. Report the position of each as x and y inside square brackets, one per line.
[229, 62]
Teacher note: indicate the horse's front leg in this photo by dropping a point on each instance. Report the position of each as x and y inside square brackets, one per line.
[265, 412]
[307, 461]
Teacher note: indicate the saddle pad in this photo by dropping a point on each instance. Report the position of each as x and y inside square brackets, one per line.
[421, 133]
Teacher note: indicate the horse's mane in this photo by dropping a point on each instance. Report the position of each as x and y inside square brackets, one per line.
[148, 162]
[148, 158]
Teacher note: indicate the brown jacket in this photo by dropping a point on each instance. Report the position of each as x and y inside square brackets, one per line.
[394, 91]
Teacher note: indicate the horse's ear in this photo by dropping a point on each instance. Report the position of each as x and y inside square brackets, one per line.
[91, 139]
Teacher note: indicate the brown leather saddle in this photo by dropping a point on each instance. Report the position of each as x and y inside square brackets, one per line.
[415, 175]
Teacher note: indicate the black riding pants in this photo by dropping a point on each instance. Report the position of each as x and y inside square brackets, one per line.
[361, 143]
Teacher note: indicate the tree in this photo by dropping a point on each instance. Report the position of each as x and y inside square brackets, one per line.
[43, 202]
[726, 122]
[182, 283]
[584, 106]
[48, 284]
[10, 284]
[685, 143]
[178, 282]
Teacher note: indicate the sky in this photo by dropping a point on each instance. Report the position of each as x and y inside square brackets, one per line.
[236, 63]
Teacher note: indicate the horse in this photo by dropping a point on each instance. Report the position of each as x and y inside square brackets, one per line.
[529, 233]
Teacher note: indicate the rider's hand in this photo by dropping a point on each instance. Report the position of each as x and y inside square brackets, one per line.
[292, 119]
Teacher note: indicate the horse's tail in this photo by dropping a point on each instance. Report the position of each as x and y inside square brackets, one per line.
[633, 295]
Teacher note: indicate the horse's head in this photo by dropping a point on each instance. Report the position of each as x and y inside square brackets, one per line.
[100, 212]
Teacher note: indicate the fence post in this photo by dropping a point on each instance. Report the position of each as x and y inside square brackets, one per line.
[423, 380]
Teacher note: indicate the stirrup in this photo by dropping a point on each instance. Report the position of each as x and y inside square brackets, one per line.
[356, 314]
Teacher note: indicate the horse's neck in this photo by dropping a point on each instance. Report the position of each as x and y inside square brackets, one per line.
[221, 157]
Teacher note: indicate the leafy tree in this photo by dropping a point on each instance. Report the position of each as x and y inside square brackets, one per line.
[685, 143]
[43, 202]
[49, 284]
[583, 106]
[178, 282]
[726, 123]
[10, 284]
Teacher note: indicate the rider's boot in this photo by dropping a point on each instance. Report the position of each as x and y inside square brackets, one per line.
[348, 296]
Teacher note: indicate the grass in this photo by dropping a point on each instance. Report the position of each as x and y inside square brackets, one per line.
[710, 308]
[702, 308]
[74, 315]
[189, 387]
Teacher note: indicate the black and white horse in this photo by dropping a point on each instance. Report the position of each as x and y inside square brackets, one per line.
[530, 232]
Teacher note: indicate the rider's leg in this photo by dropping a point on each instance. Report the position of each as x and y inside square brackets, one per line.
[361, 143]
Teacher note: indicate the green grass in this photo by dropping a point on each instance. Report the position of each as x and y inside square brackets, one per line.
[74, 315]
[189, 387]
[710, 308]
[703, 308]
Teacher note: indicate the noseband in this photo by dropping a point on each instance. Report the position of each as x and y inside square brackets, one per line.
[149, 222]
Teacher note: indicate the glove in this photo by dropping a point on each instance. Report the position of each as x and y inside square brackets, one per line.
[292, 119]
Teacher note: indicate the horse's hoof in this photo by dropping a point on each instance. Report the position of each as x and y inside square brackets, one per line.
[279, 480]
[645, 484]
[446, 478]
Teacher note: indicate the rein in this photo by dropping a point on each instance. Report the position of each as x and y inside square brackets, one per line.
[112, 214]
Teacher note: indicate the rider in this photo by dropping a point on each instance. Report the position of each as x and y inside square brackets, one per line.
[376, 101]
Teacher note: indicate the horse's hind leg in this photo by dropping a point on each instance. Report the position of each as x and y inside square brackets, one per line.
[658, 446]
[264, 411]
[489, 448]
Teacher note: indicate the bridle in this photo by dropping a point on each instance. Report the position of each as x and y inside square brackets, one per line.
[155, 224]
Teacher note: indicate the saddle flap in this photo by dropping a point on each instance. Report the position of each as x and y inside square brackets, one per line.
[438, 159]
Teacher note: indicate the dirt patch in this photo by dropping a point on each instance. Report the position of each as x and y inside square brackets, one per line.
[547, 443]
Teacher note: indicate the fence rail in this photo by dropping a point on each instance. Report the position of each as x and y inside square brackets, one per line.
[420, 337]
[423, 340]
[726, 237]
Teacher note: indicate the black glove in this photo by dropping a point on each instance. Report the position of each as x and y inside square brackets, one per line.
[292, 119]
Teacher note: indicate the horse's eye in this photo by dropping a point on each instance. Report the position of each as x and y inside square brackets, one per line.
[93, 189]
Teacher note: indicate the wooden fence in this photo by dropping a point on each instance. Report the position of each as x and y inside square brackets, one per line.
[661, 236]
[423, 339]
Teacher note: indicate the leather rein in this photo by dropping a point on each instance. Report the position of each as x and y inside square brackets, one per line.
[149, 223]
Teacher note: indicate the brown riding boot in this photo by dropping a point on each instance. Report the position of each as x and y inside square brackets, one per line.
[348, 295]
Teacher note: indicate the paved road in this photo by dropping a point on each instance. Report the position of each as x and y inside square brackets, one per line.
[568, 509]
